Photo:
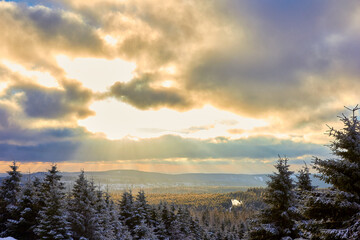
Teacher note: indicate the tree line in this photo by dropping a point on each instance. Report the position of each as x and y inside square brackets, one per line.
[41, 209]
[300, 210]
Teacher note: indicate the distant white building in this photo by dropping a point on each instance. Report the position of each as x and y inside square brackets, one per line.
[235, 203]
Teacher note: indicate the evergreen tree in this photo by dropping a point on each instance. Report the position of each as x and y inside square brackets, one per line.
[335, 214]
[175, 230]
[153, 217]
[196, 230]
[343, 173]
[120, 232]
[304, 191]
[9, 195]
[165, 221]
[184, 221]
[52, 218]
[83, 216]
[304, 181]
[104, 215]
[143, 229]
[37, 185]
[188, 228]
[277, 220]
[158, 222]
[143, 232]
[23, 227]
[142, 208]
[127, 211]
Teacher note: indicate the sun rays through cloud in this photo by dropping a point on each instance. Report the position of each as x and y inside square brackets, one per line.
[180, 86]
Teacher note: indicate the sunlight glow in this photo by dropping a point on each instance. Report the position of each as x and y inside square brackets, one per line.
[3, 86]
[168, 166]
[110, 40]
[42, 78]
[97, 74]
[170, 69]
[167, 84]
[117, 120]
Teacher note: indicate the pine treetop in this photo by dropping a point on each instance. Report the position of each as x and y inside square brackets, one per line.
[279, 193]
[344, 172]
[277, 220]
[304, 181]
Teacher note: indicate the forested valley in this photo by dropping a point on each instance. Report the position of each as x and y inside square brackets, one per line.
[286, 209]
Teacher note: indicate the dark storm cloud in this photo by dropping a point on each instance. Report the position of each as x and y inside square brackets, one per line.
[49, 152]
[21, 143]
[140, 94]
[42, 102]
[299, 62]
[70, 32]
[268, 71]
[34, 137]
[4, 117]
[165, 147]
[170, 146]
[14, 130]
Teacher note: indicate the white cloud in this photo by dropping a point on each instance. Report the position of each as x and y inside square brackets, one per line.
[43, 78]
[96, 73]
[118, 120]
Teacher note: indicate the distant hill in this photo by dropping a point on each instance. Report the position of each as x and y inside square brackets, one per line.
[121, 179]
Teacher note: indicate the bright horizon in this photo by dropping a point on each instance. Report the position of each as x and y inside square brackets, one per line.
[34, 167]
[175, 87]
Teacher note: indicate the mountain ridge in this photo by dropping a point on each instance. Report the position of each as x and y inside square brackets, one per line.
[125, 178]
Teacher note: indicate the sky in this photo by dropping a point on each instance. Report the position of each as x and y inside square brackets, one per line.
[174, 86]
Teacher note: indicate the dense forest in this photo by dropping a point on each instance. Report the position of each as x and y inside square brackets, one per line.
[286, 209]
[42, 209]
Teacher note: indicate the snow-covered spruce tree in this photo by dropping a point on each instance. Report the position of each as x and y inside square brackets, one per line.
[9, 194]
[143, 232]
[157, 221]
[304, 189]
[142, 208]
[38, 199]
[303, 180]
[154, 217]
[120, 231]
[335, 213]
[52, 217]
[30, 203]
[164, 221]
[172, 223]
[105, 212]
[143, 229]
[197, 230]
[175, 230]
[188, 228]
[277, 220]
[83, 216]
[127, 211]
[23, 227]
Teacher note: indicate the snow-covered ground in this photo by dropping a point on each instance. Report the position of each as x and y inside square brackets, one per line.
[8, 238]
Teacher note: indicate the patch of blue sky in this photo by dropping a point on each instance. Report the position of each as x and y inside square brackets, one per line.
[47, 3]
